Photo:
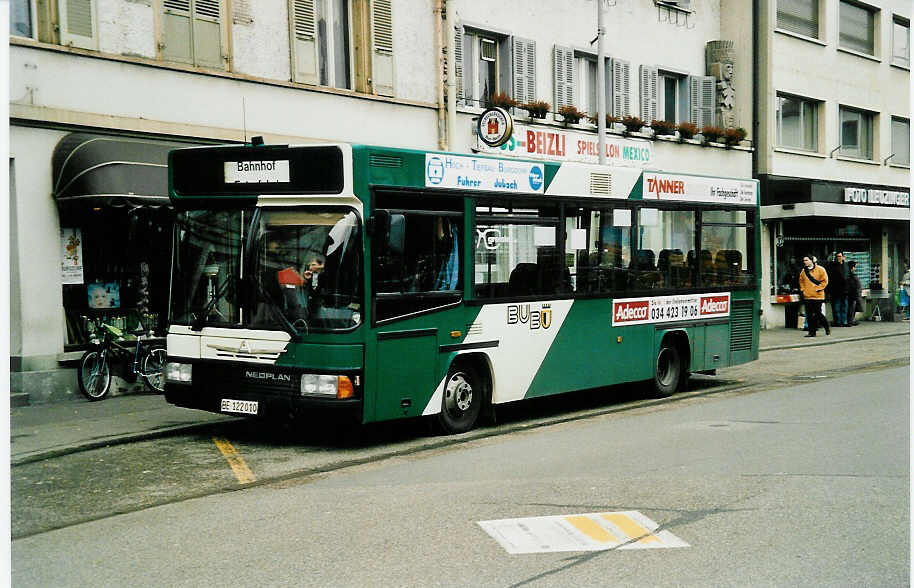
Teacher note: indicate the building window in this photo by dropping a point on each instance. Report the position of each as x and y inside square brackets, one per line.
[485, 66]
[901, 141]
[192, 32]
[856, 133]
[901, 42]
[799, 16]
[21, 18]
[586, 91]
[797, 123]
[673, 105]
[857, 28]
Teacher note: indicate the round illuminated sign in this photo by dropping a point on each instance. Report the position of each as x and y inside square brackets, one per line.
[495, 126]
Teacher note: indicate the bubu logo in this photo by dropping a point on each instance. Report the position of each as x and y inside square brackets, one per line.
[523, 314]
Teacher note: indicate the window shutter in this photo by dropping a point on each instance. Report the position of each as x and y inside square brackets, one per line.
[303, 41]
[622, 105]
[702, 94]
[207, 33]
[176, 36]
[563, 74]
[524, 70]
[458, 62]
[78, 24]
[649, 83]
[382, 45]
[799, 16]
[241, 12]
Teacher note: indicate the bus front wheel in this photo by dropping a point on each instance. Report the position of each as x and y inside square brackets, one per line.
[668, 372]
[462, 399]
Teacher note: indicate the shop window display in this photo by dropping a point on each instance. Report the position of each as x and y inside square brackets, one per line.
[109, 244]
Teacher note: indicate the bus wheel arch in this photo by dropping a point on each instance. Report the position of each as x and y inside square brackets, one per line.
[671, 364]
[467, 391]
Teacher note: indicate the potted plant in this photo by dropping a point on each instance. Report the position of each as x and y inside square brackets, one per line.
[502, 100]
[610, 120]
[734, 136]
[571, 114]
[663, 127]
[536, 108]
[711, 133]
[687, 130]
[632, 124]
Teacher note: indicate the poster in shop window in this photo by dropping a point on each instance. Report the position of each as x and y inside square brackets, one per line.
[71, 264]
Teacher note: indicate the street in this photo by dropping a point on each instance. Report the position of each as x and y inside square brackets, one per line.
[792, 470]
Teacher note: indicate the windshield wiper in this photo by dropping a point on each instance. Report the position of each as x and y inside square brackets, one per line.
[274, 310]
[221, 292]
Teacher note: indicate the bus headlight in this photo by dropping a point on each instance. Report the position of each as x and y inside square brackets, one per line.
[178, 373]
[326, 385]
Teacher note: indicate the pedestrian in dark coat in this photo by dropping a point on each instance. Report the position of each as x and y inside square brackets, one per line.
[853, 294]
[813, 281]
[837, 289]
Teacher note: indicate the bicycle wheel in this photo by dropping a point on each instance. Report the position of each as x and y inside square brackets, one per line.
[94, 375]
[153, 367]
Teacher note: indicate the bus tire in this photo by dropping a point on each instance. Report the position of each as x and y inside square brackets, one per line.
[462, 399]
[668, 370]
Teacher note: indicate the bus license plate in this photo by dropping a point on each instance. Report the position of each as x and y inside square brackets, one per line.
[240, 406]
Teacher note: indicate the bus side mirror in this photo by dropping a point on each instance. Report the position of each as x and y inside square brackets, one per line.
[388, 232]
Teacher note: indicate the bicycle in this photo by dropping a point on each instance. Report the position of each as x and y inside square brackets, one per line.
[108, 345]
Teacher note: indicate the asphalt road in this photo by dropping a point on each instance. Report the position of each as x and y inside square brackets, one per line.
[797, 485]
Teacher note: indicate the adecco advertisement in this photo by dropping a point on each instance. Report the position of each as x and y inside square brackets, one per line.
[698, 189]
[667, 309]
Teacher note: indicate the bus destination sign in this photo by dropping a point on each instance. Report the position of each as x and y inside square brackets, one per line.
[256, 172]
[667, 309]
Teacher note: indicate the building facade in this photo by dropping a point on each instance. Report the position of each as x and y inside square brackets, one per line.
[833, 142]
[100, 90]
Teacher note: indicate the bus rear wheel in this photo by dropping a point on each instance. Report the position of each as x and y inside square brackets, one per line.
[668, 370]
[461, 401]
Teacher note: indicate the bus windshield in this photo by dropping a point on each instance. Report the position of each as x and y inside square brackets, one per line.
[296, 270]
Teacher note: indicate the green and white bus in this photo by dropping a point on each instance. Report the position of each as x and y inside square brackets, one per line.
[388, 283]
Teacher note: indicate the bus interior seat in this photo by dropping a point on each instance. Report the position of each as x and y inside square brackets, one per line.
[522, 281]
[728, 263]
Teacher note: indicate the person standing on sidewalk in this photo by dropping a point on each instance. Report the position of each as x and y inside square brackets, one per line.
[837, 289]
[853, 294]
[813, 281]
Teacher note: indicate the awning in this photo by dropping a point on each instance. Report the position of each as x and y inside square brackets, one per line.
[98, 170]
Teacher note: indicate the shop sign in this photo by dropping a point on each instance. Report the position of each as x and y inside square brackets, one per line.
[71, 259]
[877, 197]
[256, 172]
[566, 145]
[698, 189]
[495, 127]
[476, 173]
[667, 309]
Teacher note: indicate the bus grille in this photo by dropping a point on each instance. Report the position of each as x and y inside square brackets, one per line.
[741, 326]
[376, 160]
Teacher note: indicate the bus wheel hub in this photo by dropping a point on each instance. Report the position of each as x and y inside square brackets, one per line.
[459, 393]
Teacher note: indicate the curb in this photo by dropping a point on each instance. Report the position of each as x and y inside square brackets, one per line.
[799, 344]
[32, 457]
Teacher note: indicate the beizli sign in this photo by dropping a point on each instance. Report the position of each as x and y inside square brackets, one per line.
[877, 197]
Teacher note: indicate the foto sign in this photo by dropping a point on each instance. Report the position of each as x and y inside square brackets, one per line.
[477, 173]
[698, 189]
[256, 172]
[667, 309]
[878, 197]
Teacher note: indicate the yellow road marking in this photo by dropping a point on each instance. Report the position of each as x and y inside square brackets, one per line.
[630, 527]
[241, 469]
[590, 528]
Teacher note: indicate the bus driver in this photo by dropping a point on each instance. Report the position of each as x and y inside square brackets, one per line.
[299, 289]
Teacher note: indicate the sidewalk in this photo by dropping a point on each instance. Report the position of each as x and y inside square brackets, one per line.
[48, 430]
